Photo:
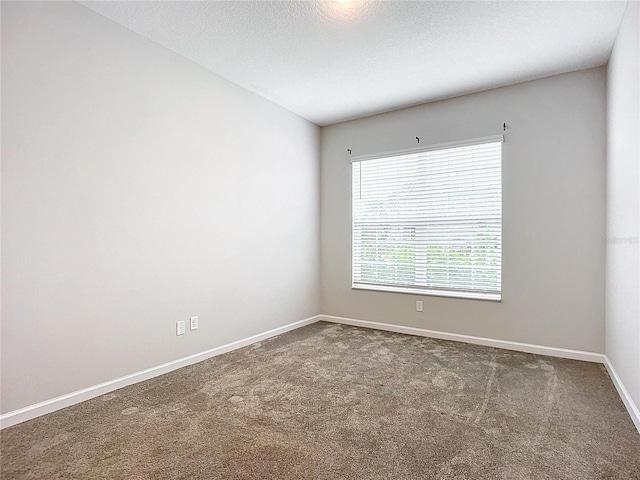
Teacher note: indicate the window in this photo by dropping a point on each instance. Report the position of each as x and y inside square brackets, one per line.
[429, 221]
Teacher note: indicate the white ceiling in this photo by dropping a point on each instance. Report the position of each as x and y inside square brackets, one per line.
[330, 61]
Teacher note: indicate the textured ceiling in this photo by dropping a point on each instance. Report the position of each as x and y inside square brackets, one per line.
[330, 61]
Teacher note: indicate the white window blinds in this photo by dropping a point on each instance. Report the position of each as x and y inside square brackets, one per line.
[430, 221]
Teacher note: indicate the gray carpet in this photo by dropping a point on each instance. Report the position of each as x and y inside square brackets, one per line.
[336, 402]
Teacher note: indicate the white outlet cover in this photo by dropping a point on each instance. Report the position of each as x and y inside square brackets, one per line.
[194, 323]
[180, 327]
[419, 305]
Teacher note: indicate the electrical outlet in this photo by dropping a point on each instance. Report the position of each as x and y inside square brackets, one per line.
[194, 323]
[418, 305]
[180, 327]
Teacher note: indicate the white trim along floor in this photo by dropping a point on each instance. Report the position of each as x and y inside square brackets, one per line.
[48, 406]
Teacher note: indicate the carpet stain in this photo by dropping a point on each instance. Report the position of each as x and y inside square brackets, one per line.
[336, 402]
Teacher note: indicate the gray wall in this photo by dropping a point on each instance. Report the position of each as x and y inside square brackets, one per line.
[553, 211]
[139, 189]
[623, 204]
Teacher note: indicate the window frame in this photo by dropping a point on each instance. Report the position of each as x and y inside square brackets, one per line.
[429, 291]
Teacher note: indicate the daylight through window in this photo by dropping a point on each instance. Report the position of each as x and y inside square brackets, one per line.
[430, 221]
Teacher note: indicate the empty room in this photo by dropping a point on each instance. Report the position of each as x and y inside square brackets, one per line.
[323, 239]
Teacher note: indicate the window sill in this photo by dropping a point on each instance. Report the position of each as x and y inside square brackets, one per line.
[492, 297]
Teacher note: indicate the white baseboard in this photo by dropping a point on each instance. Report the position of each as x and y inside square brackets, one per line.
[32, 411]
[48, 406]
[632, 408]
[456, 337]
